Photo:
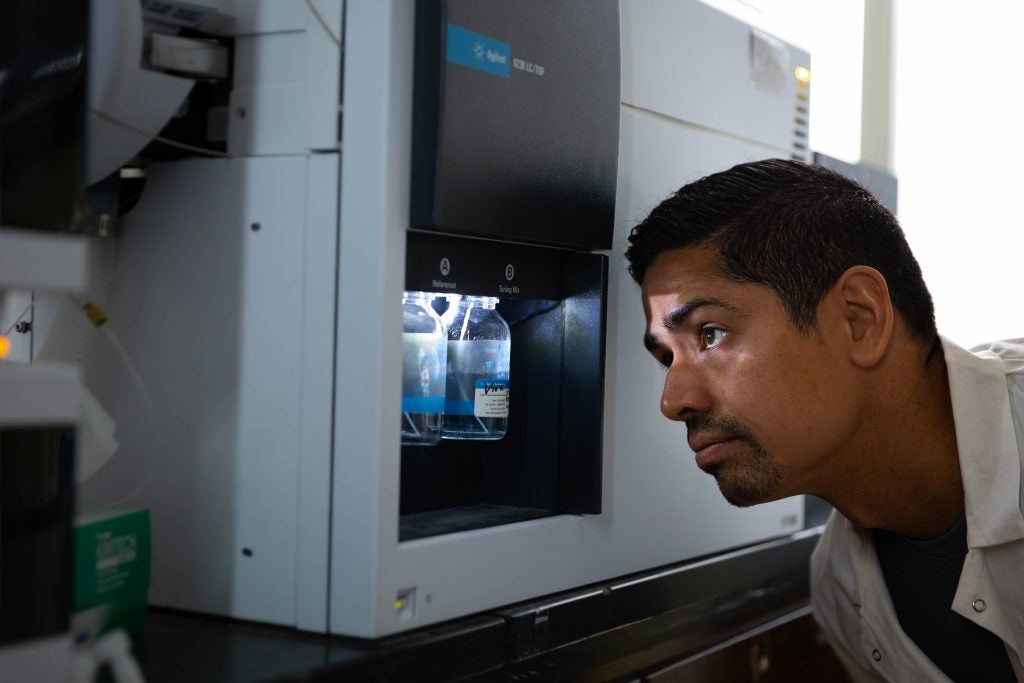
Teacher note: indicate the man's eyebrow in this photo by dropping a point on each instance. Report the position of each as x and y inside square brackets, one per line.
[674, 319]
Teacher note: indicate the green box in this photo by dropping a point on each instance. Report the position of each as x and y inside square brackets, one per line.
[112, 556]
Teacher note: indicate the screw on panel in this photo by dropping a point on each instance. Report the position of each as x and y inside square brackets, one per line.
[23, 326]
[247, 552]
[255, 227]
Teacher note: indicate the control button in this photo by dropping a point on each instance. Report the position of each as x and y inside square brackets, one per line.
[876, 655]
[405, 604]
[979, 605]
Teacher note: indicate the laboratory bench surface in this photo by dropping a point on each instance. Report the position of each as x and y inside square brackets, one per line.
[740, 616]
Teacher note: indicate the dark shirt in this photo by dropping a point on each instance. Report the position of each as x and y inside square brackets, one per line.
[922, 577]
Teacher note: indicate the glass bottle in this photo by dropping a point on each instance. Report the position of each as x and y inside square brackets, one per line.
[479, 351]
[424, 353]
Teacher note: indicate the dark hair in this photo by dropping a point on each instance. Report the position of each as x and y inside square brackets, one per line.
[792, 227]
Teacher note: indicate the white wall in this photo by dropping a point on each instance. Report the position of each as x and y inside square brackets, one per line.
[959, 142]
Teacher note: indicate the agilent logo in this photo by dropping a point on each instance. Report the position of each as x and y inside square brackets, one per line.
[477, 51]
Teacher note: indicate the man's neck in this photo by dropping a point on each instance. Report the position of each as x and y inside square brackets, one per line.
[904, 474]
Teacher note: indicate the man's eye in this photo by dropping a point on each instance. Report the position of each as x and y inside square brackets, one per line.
[711, 336]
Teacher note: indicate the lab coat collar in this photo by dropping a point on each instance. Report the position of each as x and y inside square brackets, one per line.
[990, 464]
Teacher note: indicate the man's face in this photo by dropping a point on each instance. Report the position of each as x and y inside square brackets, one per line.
[765, 405]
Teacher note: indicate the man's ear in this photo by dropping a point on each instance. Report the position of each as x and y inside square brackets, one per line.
[868, 313]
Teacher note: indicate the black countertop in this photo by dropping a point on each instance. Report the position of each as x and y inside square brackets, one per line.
[610, 631]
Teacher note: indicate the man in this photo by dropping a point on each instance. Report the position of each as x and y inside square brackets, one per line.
[800, 350]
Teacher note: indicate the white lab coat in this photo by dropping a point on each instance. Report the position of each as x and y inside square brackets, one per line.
[851, 602]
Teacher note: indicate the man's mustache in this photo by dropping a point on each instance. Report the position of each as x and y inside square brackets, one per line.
[720, 427]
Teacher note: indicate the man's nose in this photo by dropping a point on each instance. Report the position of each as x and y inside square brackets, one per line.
[685, 393]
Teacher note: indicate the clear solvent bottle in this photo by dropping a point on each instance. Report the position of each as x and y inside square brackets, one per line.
[424, 364]
[479, 352]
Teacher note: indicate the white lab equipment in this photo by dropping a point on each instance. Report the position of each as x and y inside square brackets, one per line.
[261, 296]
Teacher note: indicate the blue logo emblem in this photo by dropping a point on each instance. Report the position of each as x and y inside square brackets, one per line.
[477, 51]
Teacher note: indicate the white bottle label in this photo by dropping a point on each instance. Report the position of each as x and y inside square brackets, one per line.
[491, 398]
